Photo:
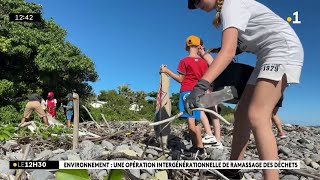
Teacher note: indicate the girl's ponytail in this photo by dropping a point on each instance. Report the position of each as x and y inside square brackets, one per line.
[217, 18]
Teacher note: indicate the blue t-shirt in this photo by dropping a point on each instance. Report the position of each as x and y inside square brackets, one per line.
[70, 111]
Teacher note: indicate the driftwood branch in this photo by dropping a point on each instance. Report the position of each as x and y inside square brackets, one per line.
[105, 121]
[123, 155]
[24, 157]
[104, 137]
[75, 142]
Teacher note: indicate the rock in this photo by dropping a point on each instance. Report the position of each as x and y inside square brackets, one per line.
[104, 153]
[74, 157]
[247, 176]
[150, 171]
[302, 178]
[294, 155]
[137, 149]
[58, 151]
[88, 150]
[122, 147]
[217, 154]
[195, 178]
[102, 174]
[298, 153]
[59, 157]
[315, 157]
[290, 177]
[145, 176]
[161, 175]
[306, 154]
[4, 167]
[310, 146]
[318, 148]
[135, 172]
[6, 176]
[292, 144]
[284, 150]
[129, 152]
[15, 156]
[41, 175]
[76, 151]
[44, 155]
[257, 176]
[150, 156]
[315, 165]
[303, 141]
[152, 151]
[303, 165]
[10, 144]
[107, 145]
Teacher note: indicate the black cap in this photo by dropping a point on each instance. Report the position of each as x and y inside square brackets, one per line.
[191, 4]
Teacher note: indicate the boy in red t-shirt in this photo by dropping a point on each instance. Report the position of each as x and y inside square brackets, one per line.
[51, 104]
[190, 70]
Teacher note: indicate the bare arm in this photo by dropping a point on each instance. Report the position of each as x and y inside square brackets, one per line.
[205, 55]
[177, 77]
[224, 57]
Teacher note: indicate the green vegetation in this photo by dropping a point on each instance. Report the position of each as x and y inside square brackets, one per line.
[35, 57]
[118, 104]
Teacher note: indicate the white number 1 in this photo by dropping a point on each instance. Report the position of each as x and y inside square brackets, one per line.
[296, 18]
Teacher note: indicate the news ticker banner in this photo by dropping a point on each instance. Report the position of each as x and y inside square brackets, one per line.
[142, 164]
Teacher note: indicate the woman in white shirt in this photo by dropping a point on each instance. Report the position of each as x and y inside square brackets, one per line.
[254, 28]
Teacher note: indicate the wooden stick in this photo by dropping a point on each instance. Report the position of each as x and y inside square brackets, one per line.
[155, 148]
[75, 142]
[99, 127]
[6, 176]
[24, 157]
[105, 121]
[104, 137]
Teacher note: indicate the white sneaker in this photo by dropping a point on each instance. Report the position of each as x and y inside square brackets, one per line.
[218, 145]
[209, 139]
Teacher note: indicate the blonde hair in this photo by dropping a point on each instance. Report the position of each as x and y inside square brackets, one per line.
[217, 18]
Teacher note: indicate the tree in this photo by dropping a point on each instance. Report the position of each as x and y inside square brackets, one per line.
[35, 57]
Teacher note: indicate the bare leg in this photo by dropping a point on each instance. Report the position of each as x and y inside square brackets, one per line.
[68, 123]
[276, 120]
[192, 130]
[205, 122]
[217, 130]
[195, 133]
[264, 98]
[242, 129]
[199, 137]
[45, 120]
[23, 120]
[216, 125]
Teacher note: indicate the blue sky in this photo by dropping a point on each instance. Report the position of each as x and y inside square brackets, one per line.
[129, 40]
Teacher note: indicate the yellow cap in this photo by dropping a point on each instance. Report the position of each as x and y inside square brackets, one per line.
[193, 41]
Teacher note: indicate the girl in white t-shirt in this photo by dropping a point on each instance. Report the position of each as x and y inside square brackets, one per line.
[253, 28]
